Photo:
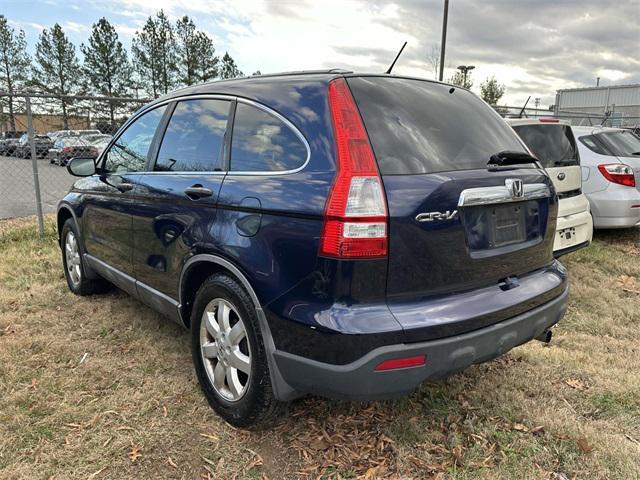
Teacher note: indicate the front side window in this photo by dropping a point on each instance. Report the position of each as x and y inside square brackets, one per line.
[553, 145]
[264, 143]
[130, 151]
[194, 137]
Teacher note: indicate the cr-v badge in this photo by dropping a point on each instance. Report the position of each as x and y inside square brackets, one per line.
[431, 216]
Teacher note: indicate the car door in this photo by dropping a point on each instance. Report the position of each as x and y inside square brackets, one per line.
[176, 196]
[109, 197]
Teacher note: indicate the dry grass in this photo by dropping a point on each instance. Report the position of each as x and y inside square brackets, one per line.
[103, 387]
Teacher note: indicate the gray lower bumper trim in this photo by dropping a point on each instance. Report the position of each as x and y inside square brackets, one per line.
[359, 381]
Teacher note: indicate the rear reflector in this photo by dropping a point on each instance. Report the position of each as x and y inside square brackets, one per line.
[396, 363]
[618, 173]
[548, 120]
[355, 215]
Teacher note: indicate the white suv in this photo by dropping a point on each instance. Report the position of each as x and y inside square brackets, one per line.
[611, 175]
[552, 142]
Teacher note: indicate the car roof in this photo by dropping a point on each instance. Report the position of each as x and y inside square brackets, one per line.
[246, 86]
[592, 129]
[536, 121]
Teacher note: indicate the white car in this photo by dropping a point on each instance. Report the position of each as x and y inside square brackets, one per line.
[552, 142]
[610, 159]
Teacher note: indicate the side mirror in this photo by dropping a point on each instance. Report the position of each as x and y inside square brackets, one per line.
[82, 166]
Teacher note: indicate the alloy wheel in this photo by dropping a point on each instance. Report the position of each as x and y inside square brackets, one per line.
[225, 349]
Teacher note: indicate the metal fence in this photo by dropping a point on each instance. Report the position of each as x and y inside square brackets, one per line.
[573, 116]
[39, 134]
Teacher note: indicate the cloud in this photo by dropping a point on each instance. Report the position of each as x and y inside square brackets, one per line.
[532, 46]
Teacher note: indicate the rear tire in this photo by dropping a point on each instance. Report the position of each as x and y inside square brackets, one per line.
[229, 354]
[73, 263]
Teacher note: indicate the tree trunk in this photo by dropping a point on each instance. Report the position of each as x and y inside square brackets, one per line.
[65, 120]
[12, 118]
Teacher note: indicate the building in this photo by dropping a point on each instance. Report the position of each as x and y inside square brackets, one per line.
[43, 123]
[618, 104]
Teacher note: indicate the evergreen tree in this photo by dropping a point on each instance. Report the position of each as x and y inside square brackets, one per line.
[57, 66]
[208, 61]
[491, 91]
[459, 79]
[14, 62]
[154, 51]
[106, 66]
[229, 69]
[197, 61]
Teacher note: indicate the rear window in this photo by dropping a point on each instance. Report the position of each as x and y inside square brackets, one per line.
[417, 126]
[554, 145]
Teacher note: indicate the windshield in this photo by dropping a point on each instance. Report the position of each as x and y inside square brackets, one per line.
[416, 126]
[553, 145]
[622, 143]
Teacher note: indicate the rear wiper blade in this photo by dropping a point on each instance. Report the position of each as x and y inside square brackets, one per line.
[509, 157]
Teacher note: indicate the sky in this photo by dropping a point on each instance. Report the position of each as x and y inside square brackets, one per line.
[533, 47]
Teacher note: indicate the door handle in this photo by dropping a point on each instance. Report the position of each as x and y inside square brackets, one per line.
[125, 187]
[198, 191]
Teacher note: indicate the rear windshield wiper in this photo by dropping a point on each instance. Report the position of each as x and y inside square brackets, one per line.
[509, 157]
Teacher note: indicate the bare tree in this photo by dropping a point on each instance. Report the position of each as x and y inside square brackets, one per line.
[433, 57]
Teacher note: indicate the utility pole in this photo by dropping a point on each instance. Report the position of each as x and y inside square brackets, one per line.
[443, 44]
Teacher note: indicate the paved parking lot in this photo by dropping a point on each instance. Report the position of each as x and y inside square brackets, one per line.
[17, 194]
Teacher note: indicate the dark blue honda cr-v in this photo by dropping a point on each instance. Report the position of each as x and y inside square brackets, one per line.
[321, 232]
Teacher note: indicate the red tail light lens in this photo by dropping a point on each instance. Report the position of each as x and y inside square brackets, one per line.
[396, 363]
[355, 216]
[618, 173]
[548, 120]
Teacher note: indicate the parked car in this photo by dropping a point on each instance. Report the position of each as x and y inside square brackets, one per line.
[610, 159]
[554, 145]
[9, 142]
[67, 147]
[100, 141]
[42, 143]
[324, 232]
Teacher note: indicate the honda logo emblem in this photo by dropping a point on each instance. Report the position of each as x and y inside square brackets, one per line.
[515, 187]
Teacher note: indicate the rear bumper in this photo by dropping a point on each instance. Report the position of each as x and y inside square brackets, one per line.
[615, 207]
[573, 231]
[359, 381]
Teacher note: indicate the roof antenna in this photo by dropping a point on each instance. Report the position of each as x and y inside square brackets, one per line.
[396, 59]
[524, 107]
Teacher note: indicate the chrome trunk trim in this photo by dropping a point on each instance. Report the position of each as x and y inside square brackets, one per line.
[502, 194]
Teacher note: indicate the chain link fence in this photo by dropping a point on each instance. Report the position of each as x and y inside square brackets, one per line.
[39, 134]
[575, 117]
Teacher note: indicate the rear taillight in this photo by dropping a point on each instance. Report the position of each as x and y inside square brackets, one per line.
[618, 173]
[355, 215]
[548, 120]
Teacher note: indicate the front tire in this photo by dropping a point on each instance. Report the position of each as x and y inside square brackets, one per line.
[73, 263]
[229, 354]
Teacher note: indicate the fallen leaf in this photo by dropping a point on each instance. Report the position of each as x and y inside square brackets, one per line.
[539, 430]
[575, 383]
[626, 281]
[135, 453]
[520, 427]
[371, 473]
[583, 445]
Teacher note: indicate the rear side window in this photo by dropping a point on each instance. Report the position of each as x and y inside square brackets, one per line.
[417, 126]
[194, 137]
[621, 143]
[553, 145]
[129, 152]
[594, 145]
[263, 143]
